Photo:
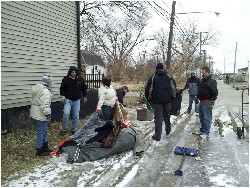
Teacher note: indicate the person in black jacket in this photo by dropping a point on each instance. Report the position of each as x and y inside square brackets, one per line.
[121, 92]
[192, 85]
[72, 89]
[161, 90]
[207, 94]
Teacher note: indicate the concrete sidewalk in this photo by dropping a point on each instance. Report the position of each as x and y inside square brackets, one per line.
[223, 159]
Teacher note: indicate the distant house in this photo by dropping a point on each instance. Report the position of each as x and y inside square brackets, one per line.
[91, 63]
[242, 75]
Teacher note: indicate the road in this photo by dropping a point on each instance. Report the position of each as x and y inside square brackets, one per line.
[223, 159]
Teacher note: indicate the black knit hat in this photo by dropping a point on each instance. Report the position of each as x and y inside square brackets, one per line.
[159, 66]
[72, 68]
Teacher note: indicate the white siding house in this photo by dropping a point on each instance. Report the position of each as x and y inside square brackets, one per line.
[37, 37]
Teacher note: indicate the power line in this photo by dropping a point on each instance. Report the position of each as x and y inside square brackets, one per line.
[243, 54]
[165, 11]
[158, 12]
[165, 15]
[178, 25]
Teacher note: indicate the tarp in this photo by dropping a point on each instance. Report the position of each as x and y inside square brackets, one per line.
[87, 131]
[79, 149]
[93, 151]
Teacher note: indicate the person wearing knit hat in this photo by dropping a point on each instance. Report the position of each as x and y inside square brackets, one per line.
[159, 66]
[47, 80]
[160, 91]
[40, 111]
[72, 89]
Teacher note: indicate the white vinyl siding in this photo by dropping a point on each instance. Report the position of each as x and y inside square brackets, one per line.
[37, 37]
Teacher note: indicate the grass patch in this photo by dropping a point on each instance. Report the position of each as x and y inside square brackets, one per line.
[18, 150]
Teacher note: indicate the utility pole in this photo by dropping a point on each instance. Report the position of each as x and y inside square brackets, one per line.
[224, 65]
[234, 64]
[170, 37]
[200, 43]
[204, 56]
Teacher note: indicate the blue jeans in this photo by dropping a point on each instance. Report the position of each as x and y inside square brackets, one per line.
[75, 105]
[191, 100]
[41, 132]
[205, 115]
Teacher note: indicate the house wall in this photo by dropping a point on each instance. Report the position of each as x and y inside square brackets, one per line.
[37, 37]
[16, 118]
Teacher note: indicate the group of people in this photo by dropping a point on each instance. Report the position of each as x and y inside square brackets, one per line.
[72, 90]
[161, 90]
[203, 92]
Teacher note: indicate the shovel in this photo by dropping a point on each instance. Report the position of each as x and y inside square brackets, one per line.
[179, 171]
[146, 99]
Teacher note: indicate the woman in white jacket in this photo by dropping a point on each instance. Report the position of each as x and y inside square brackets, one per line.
[107, 98]
[40, 111]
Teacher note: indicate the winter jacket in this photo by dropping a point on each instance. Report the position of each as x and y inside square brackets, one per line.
[40, 102]
[207, 89]
[120, 94]
[162, 91]
[192, 85]
[107, 96]
[73, 88]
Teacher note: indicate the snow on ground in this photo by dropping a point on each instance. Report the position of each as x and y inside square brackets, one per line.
[223, 161]
[48, 174]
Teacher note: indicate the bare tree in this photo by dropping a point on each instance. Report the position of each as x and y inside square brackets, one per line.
[186, 50]
[114, 28]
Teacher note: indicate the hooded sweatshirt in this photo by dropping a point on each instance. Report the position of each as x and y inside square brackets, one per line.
[40, 102]
[73, 88]
[162, 91]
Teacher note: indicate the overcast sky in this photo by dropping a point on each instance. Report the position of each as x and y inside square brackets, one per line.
[232, 25]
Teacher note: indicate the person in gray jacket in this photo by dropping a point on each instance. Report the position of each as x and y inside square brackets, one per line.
[40, 111]
[192, 85]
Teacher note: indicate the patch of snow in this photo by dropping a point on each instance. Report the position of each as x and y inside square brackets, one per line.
[222, 180]
[128, 177]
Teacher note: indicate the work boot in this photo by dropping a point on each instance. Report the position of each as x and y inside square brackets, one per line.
[62, 133]
[41, 153]
[46, 148]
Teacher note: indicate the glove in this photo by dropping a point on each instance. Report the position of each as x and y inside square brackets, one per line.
[97, 110]
[48, 119]
[196, 100]
[211, 104]
[85, 99]
[63, 99]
